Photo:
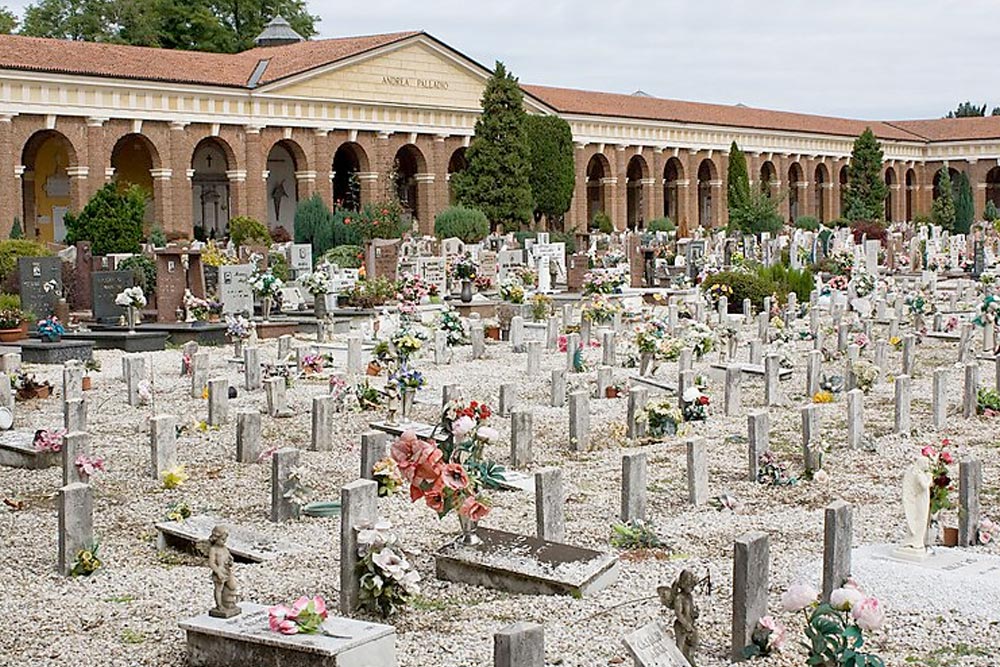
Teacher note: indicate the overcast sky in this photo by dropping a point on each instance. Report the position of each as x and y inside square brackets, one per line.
[872, 59]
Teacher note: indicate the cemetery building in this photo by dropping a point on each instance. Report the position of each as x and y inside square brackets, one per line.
[213, 136]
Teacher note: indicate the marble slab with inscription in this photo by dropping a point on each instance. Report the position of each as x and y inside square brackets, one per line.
[652, 645]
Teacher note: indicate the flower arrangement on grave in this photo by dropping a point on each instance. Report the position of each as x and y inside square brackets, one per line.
[987, 402]
[405, 342]
[198, 308]
[823, 396]
[541, 307]
[409, 378]
[716, 291]
[635, 534]
[464, 267]
[279, 371]
[87, 562]
[918, 303]
[131, 297]
[213, 255]
[952, 323]
[11, 318]
[940, 458]
[27, 387]
[896, 342]
[599, 281]
[49, 440]
[305, 616]
[238, 327]
[178, 511]
[451, 323]
[174, 478]
[986, 530]
[700, 338]
[369, 398]
[651, 338]
[865, 375]
[663, 418]
[387, 579]
[600, 309]
[773, 472]
[837, 283]
[317, 282]
[386, 474]
[768, 637]
[482, 283]
[612, 258]
[695, 405]
[50, 329]
[313, 364]
[861, 340]
[512, 290]
[835, 631]
[411, 290]
[841, 263]
[265, 284]
[88, 465]
[526, 275]
[863, 284]
[989, 311]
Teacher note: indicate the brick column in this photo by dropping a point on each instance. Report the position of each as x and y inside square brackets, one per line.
[578, 207]
[649, 200]
[238, 193]
[618, 205]
[10, 176]
[305, 182]
[323, 166]
[255, 174]
[656, 190]
[162, 200]
[425, 193]
[78, 177]
[718, 203]
[180, 182]
[439, 166]
[96, 159]
[827, 195]
[898, 208]
[381, 164]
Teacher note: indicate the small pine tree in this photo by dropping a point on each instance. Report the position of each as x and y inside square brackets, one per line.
[738, 189]
[991, 213]
[866, 191]
[313, 225]
[15, 231]
[943, 211]
[965, 208]
[497, 179]
[111, 220]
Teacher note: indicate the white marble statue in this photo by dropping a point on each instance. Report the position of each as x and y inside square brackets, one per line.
[916, 505]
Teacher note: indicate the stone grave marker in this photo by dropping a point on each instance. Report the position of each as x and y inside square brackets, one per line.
[104, 287]
[235, 292]
[652, 645]
[33, 274]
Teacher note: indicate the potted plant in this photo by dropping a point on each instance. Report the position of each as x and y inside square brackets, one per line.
[89, 366]
[28, 387]
[50, 329]
[10, 325]
[492, 330]
[214, 311]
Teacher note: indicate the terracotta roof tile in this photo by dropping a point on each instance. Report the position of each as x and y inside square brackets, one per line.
[953, 129]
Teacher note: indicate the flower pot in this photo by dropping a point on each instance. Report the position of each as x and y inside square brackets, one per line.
[265, 308]
[468, 537]
[466, 291]
[42, 392]
[10, 335]
[645, 362]
[492, 332]
[949, 536]
[374, 368]
[238, 348]
[214, 318]
[611, 392]
[408, 396]
[51, 339]
[87, 383]
[132, 315]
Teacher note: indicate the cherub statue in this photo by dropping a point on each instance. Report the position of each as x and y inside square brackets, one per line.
[391, 403]
[680, 598]
[220, 561]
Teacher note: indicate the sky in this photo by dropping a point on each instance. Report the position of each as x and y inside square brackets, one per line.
[870, 59]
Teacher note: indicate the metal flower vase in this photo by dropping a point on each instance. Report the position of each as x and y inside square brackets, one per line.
[469, 527]
[408, 396]
[466, 291]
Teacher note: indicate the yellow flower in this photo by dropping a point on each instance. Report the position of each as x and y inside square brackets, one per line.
[823, 397]
[174, 477]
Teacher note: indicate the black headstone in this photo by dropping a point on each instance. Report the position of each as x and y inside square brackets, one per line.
[105, 286]
[34, 273]
[979, 264]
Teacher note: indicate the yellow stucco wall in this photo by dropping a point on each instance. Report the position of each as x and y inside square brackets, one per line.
[412, 75]
[51, 160]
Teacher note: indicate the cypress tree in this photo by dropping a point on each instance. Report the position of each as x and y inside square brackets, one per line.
[866, 189]
[738, 189]
[553, 170]
[313, 224]
[965, 208]
[943, 211]
[497, 179]
[991, 213]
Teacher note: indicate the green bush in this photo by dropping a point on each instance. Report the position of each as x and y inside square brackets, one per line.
[157, 237]
[313, 225]
[11, 250]
[661, 225]
[784, 279]
[144, 271]
[16, 232]
[345, 229]
[744, 285]
[344, 256]
[990, 214]
[111, 220]
[840, 222]
[468, 224]
[278, 265]
[10, 301]
[244, 229]
[807, 222]
[370, 293]
[921, 219]
[602, 222]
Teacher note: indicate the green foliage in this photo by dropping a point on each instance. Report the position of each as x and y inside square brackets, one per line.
[943, 210]
[374, 221]
[965, 208]
[987, 399]
[968, 110]
[10, 301]
[807, 222]
[278, 265]
[17, 232]
[636, 534]
[660, 225]
[497, 179]
[244, 229]
[111, 220]
[833, 639]
[467, 224]
[344, 256]
[990, 213]
[143, 271]
[370, 293]
[552, 170]
[763, 282]
[602, 223]
[8, 21]
[784, 279]
[157, 237]
[11, 250]
[313, 225]
[866, 191]
[738, 188]
[758, 214]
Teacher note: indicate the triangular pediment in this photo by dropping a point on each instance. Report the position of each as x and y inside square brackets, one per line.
[417, 72]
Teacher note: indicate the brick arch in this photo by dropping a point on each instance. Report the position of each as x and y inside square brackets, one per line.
[348, 160]
[890, 194]
[795, 204]
[115, 142]
[283, 189]
[294, 148]
[35, 140]
[708, 173]
[768, 175]
[41, 198]
[198, 142]
[597, 171]
[636, 171]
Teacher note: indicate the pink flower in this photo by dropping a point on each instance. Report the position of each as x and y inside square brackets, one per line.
[928, 451]
[461, 426]
[947, 458]
[798, 597]
[846, 598]
[473, 509]
[454, 476]
[777, 637]
[488, 434]
[279, 619]
[869, 615]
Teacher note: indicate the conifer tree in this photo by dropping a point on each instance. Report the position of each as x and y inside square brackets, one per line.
[965, 208]
[497, 179]
[943, 211]
[553, 170]
[738, 189]
[866, 189]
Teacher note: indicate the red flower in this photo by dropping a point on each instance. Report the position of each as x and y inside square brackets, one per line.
[385, 211]
[473, 509]
[347, 221]
[435, 500]
[454, 476]
[703, 400]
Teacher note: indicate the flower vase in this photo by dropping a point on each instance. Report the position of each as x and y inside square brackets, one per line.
[466, 291]
[408, 396]
[265, 308]
[469, 527]
[645, 362]
[131, 314]
[319, 308]
[238, 348]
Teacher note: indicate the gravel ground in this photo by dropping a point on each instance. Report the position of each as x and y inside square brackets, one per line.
[128, 613]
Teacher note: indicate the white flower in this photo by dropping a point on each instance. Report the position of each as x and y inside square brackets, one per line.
[488, 434]
[410, 581]
[391, 563]
[846, 598]
[821, 476]
[461, 426]
[691, 394]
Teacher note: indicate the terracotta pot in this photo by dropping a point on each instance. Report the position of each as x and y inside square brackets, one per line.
[374, 368]
[43, 392]
[492, 332]
[611, 392]
[87, 384]
[949, 536]
[10, 335]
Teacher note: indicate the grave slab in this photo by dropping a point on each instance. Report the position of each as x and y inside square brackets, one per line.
[526, 565]
[652, 645]
[247, 546]
[246, 640]
[275, 328]
[655, 383]
[145, 341]
[203, 333]
[756, 370]
[17, 450]
[421, 429]
[41, 352]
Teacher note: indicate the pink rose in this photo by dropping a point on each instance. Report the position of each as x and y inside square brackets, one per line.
[869, 615]
[846, 598]
[461, 426]
[798, 597]
[777, 637]
[928, 451]
[947, 458]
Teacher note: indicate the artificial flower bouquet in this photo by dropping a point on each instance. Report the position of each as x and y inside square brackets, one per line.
[464, 268]
[265, 284]
[387, 579]
[131, 297]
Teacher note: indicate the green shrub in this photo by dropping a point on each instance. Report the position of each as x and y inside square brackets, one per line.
[16, 231]
[278, 265]
[244, 229]
[990, 214]
[468, 224]
[111, 220]
[840, 222]
[602, 222]
[784, 279]
[313, 225]
[370, 293]
[807, 222]
[144, 271]
[921, 219]
[10, 301]
[661, 225]
[10, 251]
[745, 286]
[344, 228]
[344, 256]
[157, 237]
